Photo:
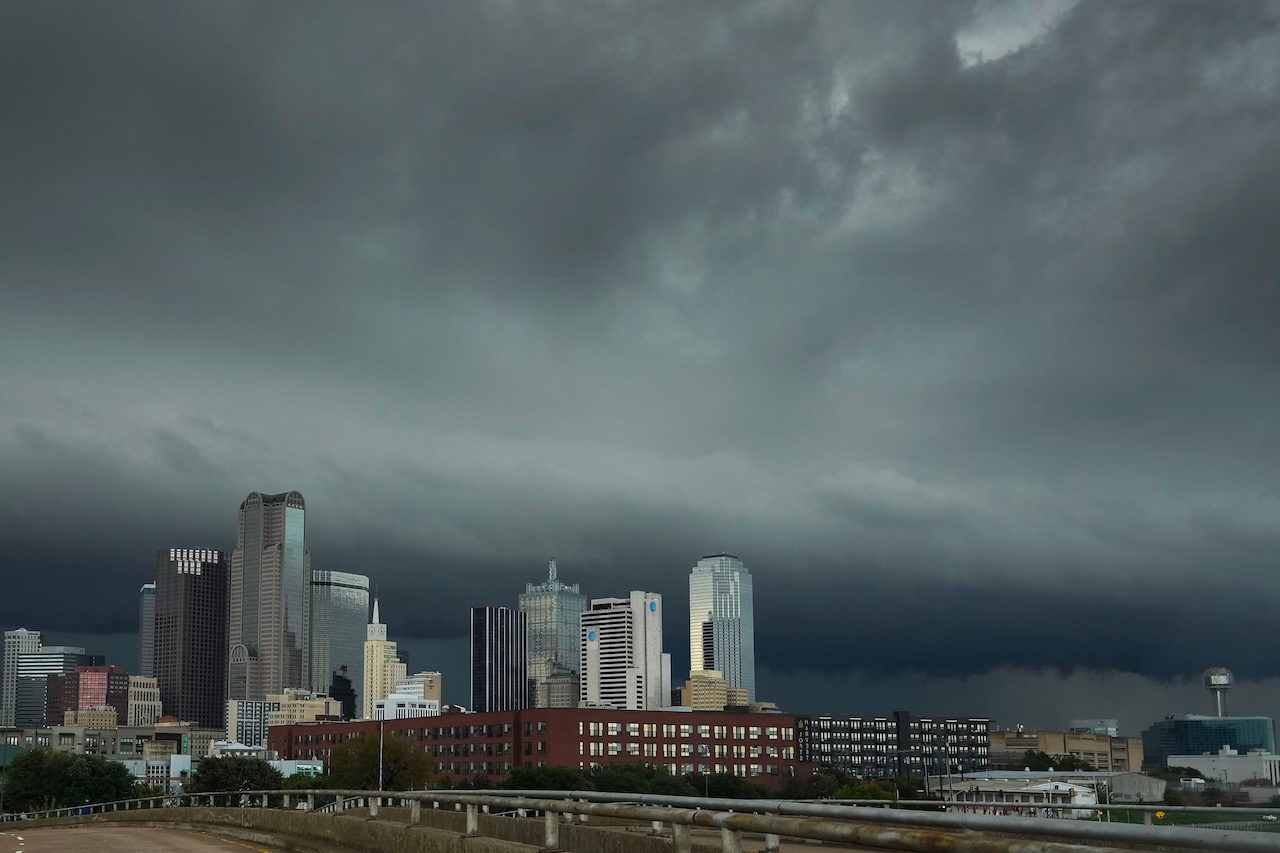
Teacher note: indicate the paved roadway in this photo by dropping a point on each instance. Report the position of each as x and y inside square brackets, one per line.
[120, 839]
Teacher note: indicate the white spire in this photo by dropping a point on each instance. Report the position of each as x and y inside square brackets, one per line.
[551, 574]
[376, 632]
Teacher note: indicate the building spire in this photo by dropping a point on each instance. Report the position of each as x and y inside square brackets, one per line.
[551, 573]
[375, 611]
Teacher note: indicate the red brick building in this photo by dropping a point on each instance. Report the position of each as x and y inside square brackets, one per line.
[758, 747]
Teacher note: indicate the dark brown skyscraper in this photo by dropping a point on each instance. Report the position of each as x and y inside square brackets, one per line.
[191, 634]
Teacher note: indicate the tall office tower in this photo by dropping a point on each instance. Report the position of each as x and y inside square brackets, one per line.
[499, 666]
[147, 630]
[722, 626]
[34, 672]
[382, 667]
[19, 642]
[623, 665]
[553, 610]
[339, 614]
[88, 688]
[270, 610]
[191, 634]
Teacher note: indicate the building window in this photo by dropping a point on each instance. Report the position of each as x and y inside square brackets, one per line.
[704, 731]
[615, 729]
[633, 729]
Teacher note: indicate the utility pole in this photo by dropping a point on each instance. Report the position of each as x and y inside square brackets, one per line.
[381, 720]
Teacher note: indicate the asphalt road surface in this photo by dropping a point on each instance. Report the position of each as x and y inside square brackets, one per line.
[120, 839]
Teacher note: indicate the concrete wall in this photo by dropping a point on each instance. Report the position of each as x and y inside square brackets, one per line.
[440, 831]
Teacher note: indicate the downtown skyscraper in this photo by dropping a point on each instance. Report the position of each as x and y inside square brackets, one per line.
[554, 611]
[16, 643]
[191, 634]
[339, 614]
[147, 630]
[499, 666]
[722, 628]
[270, 608]
[623, 664]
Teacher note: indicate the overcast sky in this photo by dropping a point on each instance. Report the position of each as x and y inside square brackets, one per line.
[957, 321]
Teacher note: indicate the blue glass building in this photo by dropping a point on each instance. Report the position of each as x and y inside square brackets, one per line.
[1196, 735]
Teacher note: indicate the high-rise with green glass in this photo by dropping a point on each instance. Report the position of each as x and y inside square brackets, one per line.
[270, 625]
[554, 610]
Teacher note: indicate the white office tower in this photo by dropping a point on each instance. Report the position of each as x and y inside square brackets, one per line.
[16, 643]
[722, 627]
[623, 665]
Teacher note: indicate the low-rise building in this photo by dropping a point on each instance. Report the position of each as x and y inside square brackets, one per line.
[707, 690]
[1231, 767]
[901, 745]
[301, 706]
[92, 718]
[1110, 787]
[1101, 752]
[423, 685]
[249, 719]
[757, 747]
[400, 706]
[144, 701]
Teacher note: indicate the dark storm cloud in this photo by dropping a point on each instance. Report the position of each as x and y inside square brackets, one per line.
[956, 321]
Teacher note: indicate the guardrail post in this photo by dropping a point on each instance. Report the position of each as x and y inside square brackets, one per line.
[655, 827]
[286, 801]
[265, 800]
[338, 803]
[1146, 818]
[311, 802]
[680, 842]
[415, 812]
[772, 843]
[551, 838]
[473, 821]
[374, 802]
[730, 840]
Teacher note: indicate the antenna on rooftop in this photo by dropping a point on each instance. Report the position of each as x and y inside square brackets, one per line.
[551, 573]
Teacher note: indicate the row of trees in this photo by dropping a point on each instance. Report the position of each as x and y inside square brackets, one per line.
[42, 779]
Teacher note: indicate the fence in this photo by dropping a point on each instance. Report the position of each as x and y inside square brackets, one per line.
[907, 826]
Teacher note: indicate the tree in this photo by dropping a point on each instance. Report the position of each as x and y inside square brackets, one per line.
[41, 778]
[1175, 796]
[727, 786]
[305, 782]
[909, 787]
[553, 778]
[354, 765]
[1034, 760]
[863, 791]
[234, 773]
[632, 777]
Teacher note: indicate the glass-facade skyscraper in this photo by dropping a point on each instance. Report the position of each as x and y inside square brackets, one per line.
[191, 634]
[722, 628]
[499, 675]
[270, 609]
[339, 614]
[554, 611]
[1193, 734]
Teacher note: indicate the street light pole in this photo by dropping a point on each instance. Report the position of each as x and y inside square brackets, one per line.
[381, 720]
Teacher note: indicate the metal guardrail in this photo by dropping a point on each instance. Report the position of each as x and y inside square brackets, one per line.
[887, 828]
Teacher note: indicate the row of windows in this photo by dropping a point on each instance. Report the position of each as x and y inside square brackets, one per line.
[685, 750]
[744, 770]
[686, 730]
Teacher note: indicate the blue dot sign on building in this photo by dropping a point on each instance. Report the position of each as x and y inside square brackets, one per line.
[591, 635]
[653, 607]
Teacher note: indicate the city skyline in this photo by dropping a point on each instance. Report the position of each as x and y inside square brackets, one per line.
[954, 320]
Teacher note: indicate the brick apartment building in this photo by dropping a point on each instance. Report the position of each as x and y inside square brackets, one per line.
[758, 747]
